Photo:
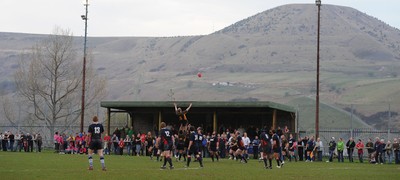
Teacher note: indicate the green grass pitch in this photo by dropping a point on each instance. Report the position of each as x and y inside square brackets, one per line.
[48, 165]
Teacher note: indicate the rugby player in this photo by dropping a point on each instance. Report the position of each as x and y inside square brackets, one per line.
[165, 142]
[266, 147]
[182, 118]
[292, 147]
[239, 152]
[195, 142]
[150, 144]
[276, 147]
[95, 143]
[213, 146]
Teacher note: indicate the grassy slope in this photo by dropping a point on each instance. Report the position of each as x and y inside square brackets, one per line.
[55, 166]
[330, 117]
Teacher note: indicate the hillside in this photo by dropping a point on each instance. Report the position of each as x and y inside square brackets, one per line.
[269, 56]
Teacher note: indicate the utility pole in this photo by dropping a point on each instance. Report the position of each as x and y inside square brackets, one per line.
[85, 18]
[318, 3]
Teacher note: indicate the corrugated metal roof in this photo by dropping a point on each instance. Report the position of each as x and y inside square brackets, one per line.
[202, 104]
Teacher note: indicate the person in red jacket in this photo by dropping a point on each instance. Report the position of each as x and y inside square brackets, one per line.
[107, 143]
[360, 150]
[121, 145]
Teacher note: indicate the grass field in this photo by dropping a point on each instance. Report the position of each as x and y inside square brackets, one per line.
[48, 165]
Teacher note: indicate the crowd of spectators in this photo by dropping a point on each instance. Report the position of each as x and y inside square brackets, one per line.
[20, 142]
[126, 141]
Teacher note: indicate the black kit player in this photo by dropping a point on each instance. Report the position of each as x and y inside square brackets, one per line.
[292, 147]
[182, 118]
[266, 147]
[213, 146]
[239, 152]
[165, 142]
[180, 147]
[276, 147]
[150, 144]
[195, 142]
[95, 142]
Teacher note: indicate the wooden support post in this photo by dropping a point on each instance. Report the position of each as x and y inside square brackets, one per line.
[108, 120]
[159, 119]
[215, 121]
[274, 119]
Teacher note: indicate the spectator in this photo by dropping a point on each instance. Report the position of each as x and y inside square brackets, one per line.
[389, 151]
[30, 142]
[310, 148]
[121, 145]
[23, 142]
[39, 140]
[340, 148]
[300, 148]
[138, 144]
[107, 144]
[332, 147]
[60, 142]
[305, 140]
[4, 141]
[246, 143]
[12, 140]
[115, 141]
[319, 147]
[360, 150]
[255, 143]
[222, 145]
[350, 148]
[56, 144]
[292, 148]
[396, 150]
[380, 146]
[142, 144]
[127, 144]
[18, 139]
[371, 150]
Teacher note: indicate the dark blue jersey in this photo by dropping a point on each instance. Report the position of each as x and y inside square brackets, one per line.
[291, 142]
[277, 140]
[265, 140]
[96, 130]
[199, 140]
[166, 136]
[213, 141]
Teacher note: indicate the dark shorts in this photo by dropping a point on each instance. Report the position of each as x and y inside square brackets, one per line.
[214, 149]
[193, 150]
[166, 147]
[96, 145]
[266, 149]
[180, 147]
[242, 148]
[234, 148]
[277, 150]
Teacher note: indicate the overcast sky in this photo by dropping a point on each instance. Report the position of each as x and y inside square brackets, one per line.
[156, 17]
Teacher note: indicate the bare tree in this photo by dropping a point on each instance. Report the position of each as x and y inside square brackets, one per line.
[49, 80]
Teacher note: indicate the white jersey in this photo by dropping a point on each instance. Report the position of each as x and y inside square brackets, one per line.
[246, 141]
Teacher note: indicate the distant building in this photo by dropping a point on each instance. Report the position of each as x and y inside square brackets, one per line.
[144, 115]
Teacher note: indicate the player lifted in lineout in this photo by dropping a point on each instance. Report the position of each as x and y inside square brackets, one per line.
[182, 118]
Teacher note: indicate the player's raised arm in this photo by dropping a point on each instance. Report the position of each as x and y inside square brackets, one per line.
[188, 108]
[176, 107]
